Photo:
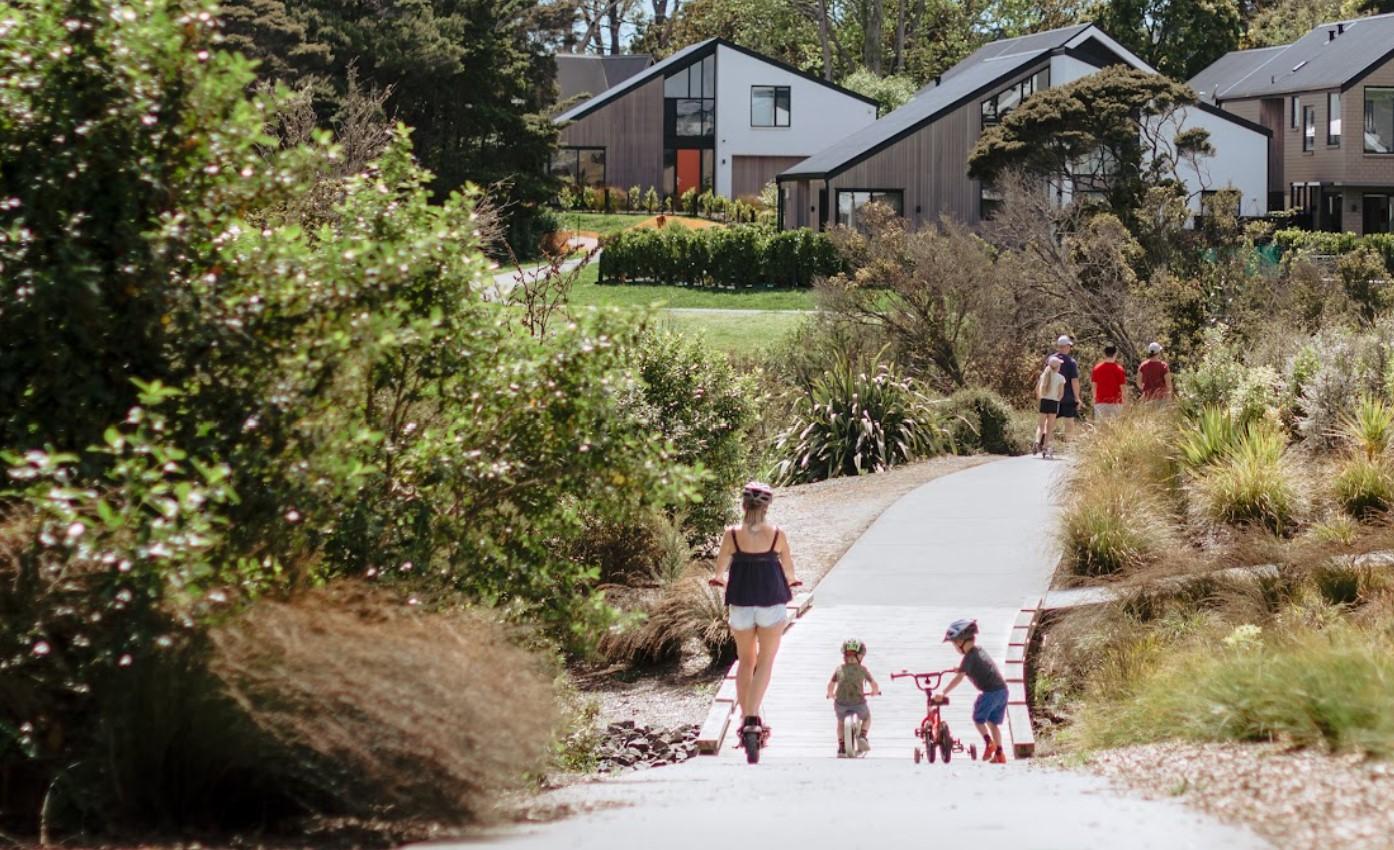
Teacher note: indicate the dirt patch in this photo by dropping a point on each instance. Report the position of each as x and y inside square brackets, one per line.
[1300, 799]
[824, 519]
[693, 223]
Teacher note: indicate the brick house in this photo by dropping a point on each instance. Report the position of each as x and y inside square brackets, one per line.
[1328, 99]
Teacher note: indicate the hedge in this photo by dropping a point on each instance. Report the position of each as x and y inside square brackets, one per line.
[1316, 242]
[735, 257]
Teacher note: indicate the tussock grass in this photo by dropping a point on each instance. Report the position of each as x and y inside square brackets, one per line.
[687, 610]
[1364, 487]
[1113, 526]
[1252, 486]
[373, 710]
[1138, 447]
[1330, 688]
[1209, 438]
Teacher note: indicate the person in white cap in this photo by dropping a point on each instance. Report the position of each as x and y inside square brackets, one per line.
[1069, 370]
[1154, 375]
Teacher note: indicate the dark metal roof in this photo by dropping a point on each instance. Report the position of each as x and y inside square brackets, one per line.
[1330, 56]
[1230, 68]
[682, 57]
[923, 109]
[1026, 44]
[590, 74]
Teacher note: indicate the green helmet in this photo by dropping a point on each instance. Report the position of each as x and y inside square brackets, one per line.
[853, 645]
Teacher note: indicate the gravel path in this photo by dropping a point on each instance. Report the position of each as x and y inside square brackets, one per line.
[1297, 800]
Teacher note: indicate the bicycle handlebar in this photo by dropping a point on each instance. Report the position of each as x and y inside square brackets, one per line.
[923, 681]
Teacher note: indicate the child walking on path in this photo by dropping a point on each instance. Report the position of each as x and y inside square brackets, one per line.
[990, 709]
[847, 691]
[1050, 386]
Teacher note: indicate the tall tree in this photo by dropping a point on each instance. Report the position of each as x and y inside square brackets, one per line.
[1113, 134]
[1285, 21]
[1177, 37]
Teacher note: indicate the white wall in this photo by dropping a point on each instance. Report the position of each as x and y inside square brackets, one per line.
[818, 116]
[1066, 69]
[1240, 162]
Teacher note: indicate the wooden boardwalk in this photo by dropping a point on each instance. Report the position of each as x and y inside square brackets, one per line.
[970, 544]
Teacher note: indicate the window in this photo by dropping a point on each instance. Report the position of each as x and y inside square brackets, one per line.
[849, 201]
[1375, 214]
[1379, 120]
[769, 106]
[989, 201]
[1309, 127]
[689, 106]
[1294, 109]
[579, 166]
[995, 108]
[1333, 119]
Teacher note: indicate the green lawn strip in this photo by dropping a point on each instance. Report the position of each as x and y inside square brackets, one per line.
[588, 292]
[742, 335]
[605, 224]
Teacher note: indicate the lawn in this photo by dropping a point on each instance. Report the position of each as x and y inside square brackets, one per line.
[588, 292]
[608, 224]
[745, 335]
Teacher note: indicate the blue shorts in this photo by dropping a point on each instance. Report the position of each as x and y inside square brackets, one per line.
[990, 707]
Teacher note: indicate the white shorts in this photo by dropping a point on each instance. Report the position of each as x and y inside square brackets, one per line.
[1104, 412]
[745, 617]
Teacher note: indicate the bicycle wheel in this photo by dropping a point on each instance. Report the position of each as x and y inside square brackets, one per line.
[946, 743]
[849, 736]
[750, 739]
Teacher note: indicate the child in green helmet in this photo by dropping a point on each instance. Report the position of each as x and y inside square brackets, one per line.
[847, 690]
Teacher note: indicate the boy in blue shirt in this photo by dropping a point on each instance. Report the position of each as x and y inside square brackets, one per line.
[990, 709]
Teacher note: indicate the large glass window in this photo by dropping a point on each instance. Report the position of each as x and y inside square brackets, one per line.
[690, 101]
[581, 166]
[1333, 119]
[850, 201]
[1379, 119]
[1376, 214]
[995, 108]
[769, 106]
[1309, 127]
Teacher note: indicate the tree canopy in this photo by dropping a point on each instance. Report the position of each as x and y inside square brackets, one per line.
[1110, 134]
[1177, 37]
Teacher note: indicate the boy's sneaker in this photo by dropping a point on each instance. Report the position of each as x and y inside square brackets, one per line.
[999, 758]
[863, 746]
[841, 750]
[989, 751]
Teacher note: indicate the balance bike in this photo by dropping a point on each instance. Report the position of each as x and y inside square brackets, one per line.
[933, 731]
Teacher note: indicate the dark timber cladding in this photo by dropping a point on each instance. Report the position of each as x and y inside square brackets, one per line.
[630, 129]
[931, 163]
[749, 174]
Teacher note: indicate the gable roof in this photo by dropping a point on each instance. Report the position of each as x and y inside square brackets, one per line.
[983, 70]
[586, 73]
[680, 58]
[1330, 56]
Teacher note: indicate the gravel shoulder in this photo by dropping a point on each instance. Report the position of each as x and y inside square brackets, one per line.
[1296, 799]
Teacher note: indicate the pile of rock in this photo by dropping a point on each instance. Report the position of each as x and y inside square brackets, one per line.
[628, 746]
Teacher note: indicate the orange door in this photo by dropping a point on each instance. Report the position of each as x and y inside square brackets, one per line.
[689, 170]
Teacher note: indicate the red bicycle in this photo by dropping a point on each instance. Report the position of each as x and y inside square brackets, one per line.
[933, 731]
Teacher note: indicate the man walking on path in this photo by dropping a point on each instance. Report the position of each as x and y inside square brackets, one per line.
[1110, 382]
[1154, 375]
[1069, 370]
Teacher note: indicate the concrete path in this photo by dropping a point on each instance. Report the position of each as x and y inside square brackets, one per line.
[507, 279]
[971, 544]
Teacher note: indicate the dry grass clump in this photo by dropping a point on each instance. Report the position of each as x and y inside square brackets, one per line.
[1113, 526]
[379, 711]
[1139, 446]
[687, 610]
[1252, 486]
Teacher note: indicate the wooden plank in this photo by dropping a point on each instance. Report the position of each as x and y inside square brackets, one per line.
[727, 691]
[1016, 693]
[714, 728]
[1016, 653]
[1023, 735]
[799, 605]
[1025, 620]
[1019, 637]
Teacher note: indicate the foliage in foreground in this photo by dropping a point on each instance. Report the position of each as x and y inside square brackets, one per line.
[739, 257]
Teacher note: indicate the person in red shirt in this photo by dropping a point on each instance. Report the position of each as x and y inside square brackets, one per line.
[1154, 375]
[1110, 379]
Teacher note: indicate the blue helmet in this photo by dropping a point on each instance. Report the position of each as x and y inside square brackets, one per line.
[961, 630]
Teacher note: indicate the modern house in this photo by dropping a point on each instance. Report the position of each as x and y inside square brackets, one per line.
[1328, 99]
[711, 116]
[916, 158]
[589, 74]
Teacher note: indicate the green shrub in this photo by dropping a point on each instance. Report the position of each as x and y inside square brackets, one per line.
[1251, 486]
[1209, 438]
[983, 422]
[1336, 244]
[651, 203]
[1364, 487]
[1369, 428]
[633, 199]
[1349, 367]
[1137, 446]
[1328, 688]
[738, 256]
[853, 422]
[1112, 526]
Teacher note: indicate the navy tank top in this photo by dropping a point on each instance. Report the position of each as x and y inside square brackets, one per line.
[756, 579]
